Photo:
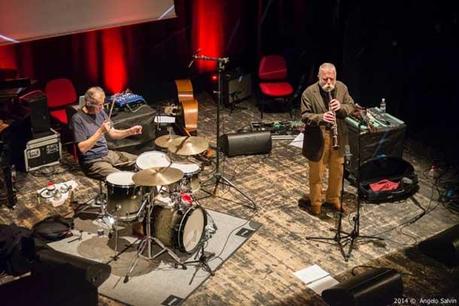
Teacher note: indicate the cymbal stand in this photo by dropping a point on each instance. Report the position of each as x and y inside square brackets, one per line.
[146, 243]
[220, 179]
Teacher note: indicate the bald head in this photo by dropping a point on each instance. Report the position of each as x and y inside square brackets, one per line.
[327, 76]
[94, 98]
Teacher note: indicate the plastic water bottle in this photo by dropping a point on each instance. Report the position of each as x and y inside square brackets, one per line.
[382, 106]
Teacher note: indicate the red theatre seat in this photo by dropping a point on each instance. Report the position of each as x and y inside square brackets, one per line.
[272, 73]
[60, 94]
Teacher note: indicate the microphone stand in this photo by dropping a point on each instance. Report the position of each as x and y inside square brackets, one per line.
[341, 237]
[340, 234]
[220, 179]
[355, 233]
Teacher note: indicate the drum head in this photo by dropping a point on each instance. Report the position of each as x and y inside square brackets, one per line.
[191, 230]
[120, 178]
[188, 168]
[152, 159]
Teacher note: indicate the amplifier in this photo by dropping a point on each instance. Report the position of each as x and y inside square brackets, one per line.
[43, 151]
[237, 87]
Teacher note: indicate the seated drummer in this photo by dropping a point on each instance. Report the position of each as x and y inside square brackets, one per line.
[89, 125]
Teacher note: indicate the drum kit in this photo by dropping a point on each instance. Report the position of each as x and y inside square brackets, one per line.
[160, 194]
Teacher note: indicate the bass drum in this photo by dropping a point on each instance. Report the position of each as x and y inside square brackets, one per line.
[182, 231]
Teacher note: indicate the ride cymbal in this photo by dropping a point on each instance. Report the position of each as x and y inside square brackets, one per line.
[190, 145]
[165, 140]
[157, 176]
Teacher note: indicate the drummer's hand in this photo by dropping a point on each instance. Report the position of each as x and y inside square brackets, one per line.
[105, 126]
[135, 130]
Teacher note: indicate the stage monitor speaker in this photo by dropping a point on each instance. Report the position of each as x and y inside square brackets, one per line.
[246, 143]
[375, 287]
[92, 272]
[443, 247]
[37, 105]
[57, 279]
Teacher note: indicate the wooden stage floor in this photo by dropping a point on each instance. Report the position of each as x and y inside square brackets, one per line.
[261, 271]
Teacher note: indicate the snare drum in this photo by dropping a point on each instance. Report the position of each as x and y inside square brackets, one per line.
[123, 198]
[190, 181]
[152, 159]
[181, 230]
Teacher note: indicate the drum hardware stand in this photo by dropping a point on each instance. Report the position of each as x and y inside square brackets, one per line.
[99, 201]
[203, 259]
[220, 179]
[146, 243]
[115, 231]
[349, 238]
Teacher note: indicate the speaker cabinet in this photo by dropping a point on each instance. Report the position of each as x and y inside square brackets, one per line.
[57, 279]
[375, 287]
[444, 246]
[246, 143]
[37, 105]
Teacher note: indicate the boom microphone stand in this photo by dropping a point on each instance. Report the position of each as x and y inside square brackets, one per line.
[220, 179]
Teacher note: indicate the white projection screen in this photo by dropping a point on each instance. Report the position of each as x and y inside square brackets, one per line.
[23, 20]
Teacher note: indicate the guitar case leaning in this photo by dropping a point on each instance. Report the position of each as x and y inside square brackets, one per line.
[393, 169]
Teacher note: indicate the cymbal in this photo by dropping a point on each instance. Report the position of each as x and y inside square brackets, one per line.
[190, 145]
[165, 140]
[157, 176]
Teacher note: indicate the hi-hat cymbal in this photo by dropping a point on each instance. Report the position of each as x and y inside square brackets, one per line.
[157, 176]
[190, 145]
[165, 140]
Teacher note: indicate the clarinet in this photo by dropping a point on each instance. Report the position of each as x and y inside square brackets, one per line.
[334, 127]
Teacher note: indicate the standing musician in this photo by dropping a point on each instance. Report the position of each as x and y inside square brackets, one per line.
[90, 125]
[324, 106]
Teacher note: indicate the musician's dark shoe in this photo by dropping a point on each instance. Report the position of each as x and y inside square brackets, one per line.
[336, 206]
[305, 204]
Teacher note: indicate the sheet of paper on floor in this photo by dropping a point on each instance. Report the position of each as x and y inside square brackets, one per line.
[298, 141]
[316, 278]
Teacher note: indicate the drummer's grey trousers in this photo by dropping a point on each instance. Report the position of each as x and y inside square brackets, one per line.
[114, 161]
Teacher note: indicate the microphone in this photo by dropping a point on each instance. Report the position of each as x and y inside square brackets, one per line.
[193, 57]
[191, 62]
[347, 154]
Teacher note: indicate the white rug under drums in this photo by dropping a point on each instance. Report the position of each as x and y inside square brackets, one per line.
[157, 281]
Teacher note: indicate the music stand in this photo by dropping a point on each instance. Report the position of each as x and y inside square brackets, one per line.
[341, 237]
[220, 179]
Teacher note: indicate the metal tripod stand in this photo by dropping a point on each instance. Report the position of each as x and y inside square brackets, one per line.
[203, 259]
[146, 242]
[341, 237]
[220, 179]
